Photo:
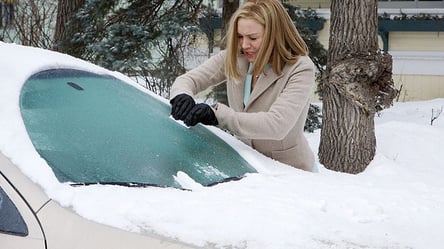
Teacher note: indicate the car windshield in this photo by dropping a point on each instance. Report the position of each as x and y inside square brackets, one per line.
[93, 128]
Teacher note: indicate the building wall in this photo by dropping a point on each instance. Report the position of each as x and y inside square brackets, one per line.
[418, 74]
[419, 87]
[416, 41]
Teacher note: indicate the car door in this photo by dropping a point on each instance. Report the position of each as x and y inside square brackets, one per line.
[19, 227]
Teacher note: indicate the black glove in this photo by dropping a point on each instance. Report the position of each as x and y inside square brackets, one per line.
[201, 113]
[181, 106]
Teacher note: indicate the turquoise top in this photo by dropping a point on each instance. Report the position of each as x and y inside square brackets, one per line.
[247, 89]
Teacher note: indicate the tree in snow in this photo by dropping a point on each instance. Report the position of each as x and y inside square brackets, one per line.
[228, 9]
[31, 24]
[66, 10]
[142, 39]
[358, 83]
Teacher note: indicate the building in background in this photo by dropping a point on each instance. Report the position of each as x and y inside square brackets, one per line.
[413, 33]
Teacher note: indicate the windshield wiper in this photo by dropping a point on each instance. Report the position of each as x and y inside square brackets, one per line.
[228, 179]
[145, 185]
[124, 184]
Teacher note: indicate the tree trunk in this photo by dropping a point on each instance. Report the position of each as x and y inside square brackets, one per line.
[1, 16]
[358, 83]
[65, 11]
[229, 7]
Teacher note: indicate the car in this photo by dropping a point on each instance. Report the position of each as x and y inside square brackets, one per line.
[80, 125]
[30, 219]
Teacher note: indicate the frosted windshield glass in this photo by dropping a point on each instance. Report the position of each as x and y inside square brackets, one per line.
[95, 128]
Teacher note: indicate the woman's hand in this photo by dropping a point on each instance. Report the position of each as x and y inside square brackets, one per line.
[202, 113]
[181, 105]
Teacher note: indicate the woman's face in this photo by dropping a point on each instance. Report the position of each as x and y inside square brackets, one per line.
[250, 34]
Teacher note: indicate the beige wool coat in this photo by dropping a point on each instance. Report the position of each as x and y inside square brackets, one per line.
[272, 121]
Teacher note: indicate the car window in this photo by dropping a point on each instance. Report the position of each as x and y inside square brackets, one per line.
[96, 128]
[11, 222]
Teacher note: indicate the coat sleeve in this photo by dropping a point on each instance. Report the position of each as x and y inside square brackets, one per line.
[209, 73]
[276, 121]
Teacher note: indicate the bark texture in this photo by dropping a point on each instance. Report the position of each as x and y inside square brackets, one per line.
[1, 15]
[358, 83]
[229, 7]
[66, 9]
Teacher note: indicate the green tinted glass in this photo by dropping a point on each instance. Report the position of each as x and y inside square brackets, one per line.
[94, 128]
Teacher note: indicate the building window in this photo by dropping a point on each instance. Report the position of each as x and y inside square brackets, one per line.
[411, 3]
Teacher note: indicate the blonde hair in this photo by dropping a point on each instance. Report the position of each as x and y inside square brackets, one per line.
[281, 41]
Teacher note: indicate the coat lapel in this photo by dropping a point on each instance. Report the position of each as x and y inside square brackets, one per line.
[262, 84]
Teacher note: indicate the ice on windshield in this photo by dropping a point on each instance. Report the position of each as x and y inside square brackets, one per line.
[94, 128]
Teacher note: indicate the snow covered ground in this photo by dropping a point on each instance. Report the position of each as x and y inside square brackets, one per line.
[397, 202]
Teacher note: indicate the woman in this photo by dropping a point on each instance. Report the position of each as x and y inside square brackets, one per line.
[269, 83]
